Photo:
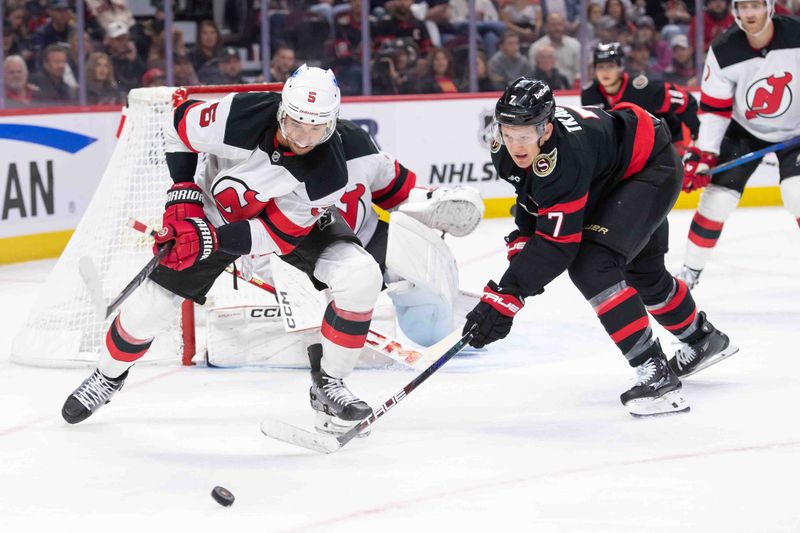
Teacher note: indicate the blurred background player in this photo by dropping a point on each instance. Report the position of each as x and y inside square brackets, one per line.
[603, 218]
[273, 169]
[612, 85]
[749, 95]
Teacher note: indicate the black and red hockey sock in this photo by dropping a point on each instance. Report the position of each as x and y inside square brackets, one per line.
[347, 329]
[124, 347]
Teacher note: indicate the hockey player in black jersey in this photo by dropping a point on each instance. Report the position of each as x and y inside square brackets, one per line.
[593, 192]
[273, 173]
[749, 96]
[613, 85]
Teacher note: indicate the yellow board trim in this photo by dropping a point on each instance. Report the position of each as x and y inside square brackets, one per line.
[32, 247]
[47, 245]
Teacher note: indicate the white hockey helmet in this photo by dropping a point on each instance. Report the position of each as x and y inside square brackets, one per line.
[310, 96]
[770, 4]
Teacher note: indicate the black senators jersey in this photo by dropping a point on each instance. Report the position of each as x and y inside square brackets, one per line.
[759, 89]
[248, 176]
[665, 100]
[589, 153]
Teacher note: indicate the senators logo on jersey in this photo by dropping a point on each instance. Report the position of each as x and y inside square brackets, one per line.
[769, 97]
[235, 200]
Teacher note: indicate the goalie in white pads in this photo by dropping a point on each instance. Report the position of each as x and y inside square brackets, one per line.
[751, 72]
[419, 269]
[275, 167]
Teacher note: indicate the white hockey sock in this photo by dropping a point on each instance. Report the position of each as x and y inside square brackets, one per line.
[716, 204]
[790, 191]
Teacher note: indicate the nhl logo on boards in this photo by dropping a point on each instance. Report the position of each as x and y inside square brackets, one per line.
[640, 81]
[276, 155]
[543, 164]
[769, 97]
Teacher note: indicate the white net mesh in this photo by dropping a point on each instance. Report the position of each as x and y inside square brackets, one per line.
[64, 327]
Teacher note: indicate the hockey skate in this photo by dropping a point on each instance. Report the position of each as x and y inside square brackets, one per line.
[94, 392]
[338, 409]
[711, 348]
[689, 276]
[657, 390]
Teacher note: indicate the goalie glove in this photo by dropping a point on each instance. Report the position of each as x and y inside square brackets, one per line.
[184, 200]
[456, 211]
[195, 240]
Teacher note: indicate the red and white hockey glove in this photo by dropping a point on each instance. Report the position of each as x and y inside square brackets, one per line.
[493, 316]
[515, 243]
[184, 200]
[695, 165]
[195, 240]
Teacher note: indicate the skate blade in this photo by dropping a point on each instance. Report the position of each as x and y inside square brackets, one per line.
[290, 434]
[721, 356]
[328, 425]
[671, 403]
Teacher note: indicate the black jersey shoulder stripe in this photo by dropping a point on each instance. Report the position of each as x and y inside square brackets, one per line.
[180, 112]
[787, 32]
[731, 46]
[355, 140]
[249, 117]
[322, 171]
[400, 183]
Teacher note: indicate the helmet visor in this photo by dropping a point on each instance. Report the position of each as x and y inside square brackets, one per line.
[303, 134]
[518, 135]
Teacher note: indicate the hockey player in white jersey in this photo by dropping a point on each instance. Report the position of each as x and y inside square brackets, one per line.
[749, 94]
[419, 270]
[275, 168]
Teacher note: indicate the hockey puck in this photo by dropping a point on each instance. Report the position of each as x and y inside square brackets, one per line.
[223, 496]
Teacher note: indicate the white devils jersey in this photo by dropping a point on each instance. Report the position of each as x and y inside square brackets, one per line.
[248, 176]
[373, 177]
[759, 89]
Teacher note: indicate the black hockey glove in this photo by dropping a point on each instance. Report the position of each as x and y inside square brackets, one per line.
[493, 315]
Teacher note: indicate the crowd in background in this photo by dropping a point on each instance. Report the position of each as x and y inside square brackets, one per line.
[416, 46]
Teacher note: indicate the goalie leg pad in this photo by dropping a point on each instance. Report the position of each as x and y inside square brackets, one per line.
[426, 275]
[716, 204]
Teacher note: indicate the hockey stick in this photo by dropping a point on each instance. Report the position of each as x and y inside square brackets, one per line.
[746, 158]
[325, 443]
[376, 341]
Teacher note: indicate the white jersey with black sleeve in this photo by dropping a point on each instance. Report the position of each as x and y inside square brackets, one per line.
[759, 89]
[374, 177]
[247, 176]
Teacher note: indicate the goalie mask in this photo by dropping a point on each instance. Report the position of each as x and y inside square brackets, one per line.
[309, 106]
[525, 102]
[768, 4]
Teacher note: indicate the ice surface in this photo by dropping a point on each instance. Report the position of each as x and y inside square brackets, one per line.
[529, 436]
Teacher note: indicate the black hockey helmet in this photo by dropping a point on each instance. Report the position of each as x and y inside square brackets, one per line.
[526, 102]
[609, 52]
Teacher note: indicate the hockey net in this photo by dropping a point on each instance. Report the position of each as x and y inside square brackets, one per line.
[64, 328]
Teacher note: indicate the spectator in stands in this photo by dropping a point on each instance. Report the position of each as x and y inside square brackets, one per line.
[523, 17]
[672, 16]
[128, 67]
[508, 64]
[568, 9]
[208, 45]
[567, 48]
[283, 64]
[682, 71]
[156, 56]
[71, 73]
[56, 31]
[485, 83]
[224, 70]
[594, 13]
[544, 68]
[52, 89]
[392, 72]
[347, 49]
[489, 25]
[17, 31]
[639, 62]
[101, 86]
[183, 73]
[660, 52]
[617, 11]
[606, 31]
[154, 77]
[107, 11]
[19, 93]
[401, 24]
[717, 18]
[441, 77]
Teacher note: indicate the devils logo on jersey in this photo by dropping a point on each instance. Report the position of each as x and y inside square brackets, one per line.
[769, 97]
[236, 201]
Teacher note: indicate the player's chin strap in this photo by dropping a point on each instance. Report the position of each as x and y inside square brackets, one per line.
[457, 210]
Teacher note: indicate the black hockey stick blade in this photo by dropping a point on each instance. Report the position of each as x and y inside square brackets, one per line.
[139, 278]
[330, 443]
